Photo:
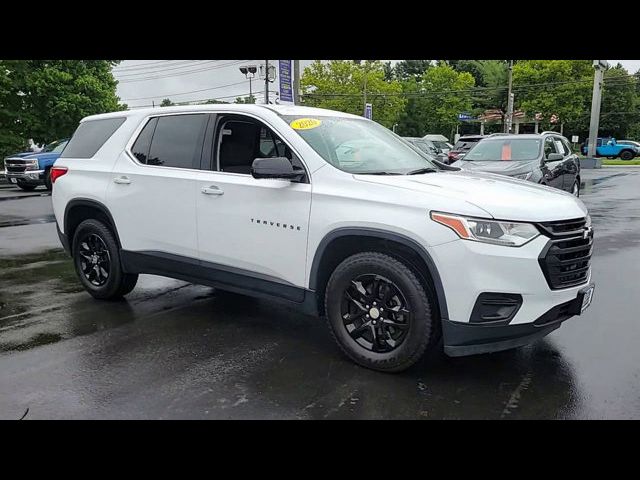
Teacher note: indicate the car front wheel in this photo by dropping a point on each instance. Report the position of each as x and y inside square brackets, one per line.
[379, 313]
[96, 258]
[575, 190]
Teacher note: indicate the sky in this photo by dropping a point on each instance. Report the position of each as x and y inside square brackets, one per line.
[145, 82]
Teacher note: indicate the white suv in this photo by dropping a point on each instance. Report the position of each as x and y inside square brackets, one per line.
[329, 211]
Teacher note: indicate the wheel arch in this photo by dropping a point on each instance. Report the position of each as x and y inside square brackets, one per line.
[80, 209]
[343, 242]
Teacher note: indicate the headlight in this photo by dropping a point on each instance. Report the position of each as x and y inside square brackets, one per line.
[524, 176]
[510, 234]
[31, 164]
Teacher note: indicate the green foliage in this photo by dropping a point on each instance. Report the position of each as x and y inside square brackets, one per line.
[247, 99]
[45, 99]
[411, 69]
[166, 103]
[339, 85]
[619, 99]
[213, 101]
[434, 101]
[567, 93]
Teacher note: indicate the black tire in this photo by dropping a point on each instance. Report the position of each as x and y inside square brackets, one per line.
[627, 155]
[47, 179]
[115, 283]
[27, 187]
[419, 327]
[575, 189]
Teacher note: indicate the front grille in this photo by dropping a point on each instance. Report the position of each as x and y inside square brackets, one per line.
[15, 166]
[566, 260]
[566, 227]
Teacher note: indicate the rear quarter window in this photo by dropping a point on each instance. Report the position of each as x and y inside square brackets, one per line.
[90, 136]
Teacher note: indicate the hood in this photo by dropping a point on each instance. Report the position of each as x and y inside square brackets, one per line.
[501, 197]
[20, 155]
[501, 167]
[42, 156]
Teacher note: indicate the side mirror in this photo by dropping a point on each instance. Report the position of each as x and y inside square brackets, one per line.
[553, 157]
[275, 167]
[442, 157]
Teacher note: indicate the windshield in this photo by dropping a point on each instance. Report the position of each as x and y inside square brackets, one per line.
[55, 147]
[425, 146]
[505, 149]
[466, 144]
[441, 145]
[358, 145]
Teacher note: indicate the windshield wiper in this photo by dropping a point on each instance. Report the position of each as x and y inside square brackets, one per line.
[421, 170]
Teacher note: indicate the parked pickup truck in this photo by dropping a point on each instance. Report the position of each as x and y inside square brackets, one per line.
[28, 169]
[608, 147]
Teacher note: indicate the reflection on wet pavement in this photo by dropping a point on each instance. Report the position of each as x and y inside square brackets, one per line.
[175, 350]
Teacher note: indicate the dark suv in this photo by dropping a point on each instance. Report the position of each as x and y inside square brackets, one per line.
[541, 158]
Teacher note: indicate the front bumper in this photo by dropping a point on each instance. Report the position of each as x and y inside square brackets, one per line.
[471, 269]
[28, 176]
[473, 338]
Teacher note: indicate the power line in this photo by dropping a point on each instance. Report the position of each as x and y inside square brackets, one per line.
[183, 93]
[177, 74]
[240, 95]
[150, 65]
[201, 64]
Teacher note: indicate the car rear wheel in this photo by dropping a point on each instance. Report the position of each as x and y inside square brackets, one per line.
[626, 155]
[47, 179]
[96, 258]
[575, 190]
[27, 187]
[379, 313]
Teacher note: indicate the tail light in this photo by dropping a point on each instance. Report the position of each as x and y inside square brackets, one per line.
[57, 172]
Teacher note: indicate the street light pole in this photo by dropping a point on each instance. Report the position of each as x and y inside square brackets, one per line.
[600, 66]
[266, 82]
[509, 116]
[296, 82]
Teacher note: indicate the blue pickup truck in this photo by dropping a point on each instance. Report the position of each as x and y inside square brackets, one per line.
[28, 170]
[608, 147]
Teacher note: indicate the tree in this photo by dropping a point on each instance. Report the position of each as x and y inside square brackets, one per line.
[619, 110]
[213, 101]
[435, 100]
[166, 103]
[340, 85]
[247, 99]
[411, 69]
[555, 87]
[45, 99]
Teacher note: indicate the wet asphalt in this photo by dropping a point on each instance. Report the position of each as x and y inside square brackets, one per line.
[176, 350]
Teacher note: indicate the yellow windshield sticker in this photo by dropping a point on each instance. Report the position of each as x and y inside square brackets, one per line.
[305, 123]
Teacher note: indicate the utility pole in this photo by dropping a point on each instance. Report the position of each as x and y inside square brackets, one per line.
[296, 82]
[509, 116]
[266, 82]
[364, 106]
[600, 66]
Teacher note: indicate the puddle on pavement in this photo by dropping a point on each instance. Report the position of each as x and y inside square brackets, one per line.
[19, 221]
[587, 185]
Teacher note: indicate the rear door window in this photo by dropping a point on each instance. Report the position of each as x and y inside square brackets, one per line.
[90, 136]
[177, 141]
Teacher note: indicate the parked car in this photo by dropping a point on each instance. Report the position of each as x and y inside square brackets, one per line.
[28, 170]
[462, 146]
[338, 216]
[429, 148]
[608, 147]
[545, 158]
[440, 141]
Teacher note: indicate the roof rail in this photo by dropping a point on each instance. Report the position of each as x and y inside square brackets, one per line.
[499, 134]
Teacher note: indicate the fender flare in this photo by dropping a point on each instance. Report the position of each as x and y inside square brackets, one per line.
[87, 202]
[385, 235]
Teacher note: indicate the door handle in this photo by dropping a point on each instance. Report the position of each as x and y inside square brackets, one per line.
[212, 190]
[122, 180]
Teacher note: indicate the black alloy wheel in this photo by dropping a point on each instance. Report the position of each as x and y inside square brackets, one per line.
[375, 313]
[95, 261]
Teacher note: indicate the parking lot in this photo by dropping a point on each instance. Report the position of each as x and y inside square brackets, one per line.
[176, 350]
